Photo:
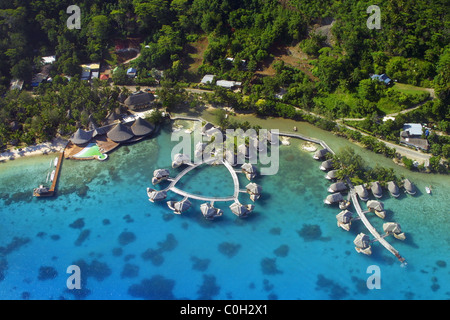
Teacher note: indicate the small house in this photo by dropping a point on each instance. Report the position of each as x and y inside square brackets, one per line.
[412, 135]
[208, 79]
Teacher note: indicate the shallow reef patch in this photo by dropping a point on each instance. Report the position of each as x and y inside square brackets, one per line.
[155, 288]
[229, 249]
[126, 237]
[46, 273]
[209, 288]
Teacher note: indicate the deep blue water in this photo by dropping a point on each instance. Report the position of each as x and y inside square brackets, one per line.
[129, 248]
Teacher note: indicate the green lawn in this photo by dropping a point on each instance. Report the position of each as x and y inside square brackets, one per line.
[408, 88]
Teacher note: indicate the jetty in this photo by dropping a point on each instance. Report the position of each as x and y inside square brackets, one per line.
[155, 195]
[369, 226]
[43, 191]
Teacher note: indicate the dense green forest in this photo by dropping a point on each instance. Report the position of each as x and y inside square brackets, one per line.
[412, 47]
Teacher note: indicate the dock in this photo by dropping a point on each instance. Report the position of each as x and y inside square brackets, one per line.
[369, 227]
[52, 189]
[173, 182]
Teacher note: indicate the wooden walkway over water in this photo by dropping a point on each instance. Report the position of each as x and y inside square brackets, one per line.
[173, 182]
[352, 192]
[52, 189]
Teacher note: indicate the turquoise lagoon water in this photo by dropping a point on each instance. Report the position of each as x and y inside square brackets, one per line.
[129, 248]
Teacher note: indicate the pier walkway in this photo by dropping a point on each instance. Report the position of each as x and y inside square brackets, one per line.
[174, 181]
[369, 227]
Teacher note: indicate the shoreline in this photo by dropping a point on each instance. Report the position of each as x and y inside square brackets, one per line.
[56, 145]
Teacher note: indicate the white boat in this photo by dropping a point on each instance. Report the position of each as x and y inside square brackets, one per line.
[428, 190]
[52, 175]
[55, 162]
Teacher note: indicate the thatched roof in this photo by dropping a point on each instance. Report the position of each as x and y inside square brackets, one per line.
[335, 197]
[139, 99]
[344, 216]
[254, 188]
[81, 137]
[409, 187]
[338, 186]
[141, 127]
[376, 189]
[120, 133]
[209, 212]
[319, 154]
[179, 206]
[155, 195]
[362, 192]
[392, 227]
[112, 117]
[376, 205]
[161, 173]
[241, 210]
[332, 174]
[326, 165]
[249, 170]
[393, 189]
[180, 159]
[362, 241]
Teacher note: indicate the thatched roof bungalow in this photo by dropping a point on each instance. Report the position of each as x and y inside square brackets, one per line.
[254, 190]
[160, 175]
[362, 244]
[120, 133]
[331, 175]
[362, 193]
[180, 159]
[337, 187]
[409, 187]
[209, 212]
[142, 127]
[333, 198]
[241, 210]
[326, 165]
[249, 170]
[179, 207]
[393, 189]
[155, 195]
[81, 137]
[320, 154]
[344, 219]
[376, 189]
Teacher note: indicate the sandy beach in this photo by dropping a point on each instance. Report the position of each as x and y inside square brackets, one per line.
[56, 145]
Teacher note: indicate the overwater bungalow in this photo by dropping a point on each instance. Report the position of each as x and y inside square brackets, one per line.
[326, 165]
[376, 189]
[81, 137]
[409, 187]
[362, 244]
[337, 187]
[344, 219]
[179, 207]
[180, 159]
[320, 154]
[160, 175]
[199, 148]
[333, 198]
[362, 193]
[141, 127]
[120, 133]
[209, 212]
[377, 207]
[241, 210]
[254, 190]
[393, 189]
[249, 170]
[394, 229]
[331, 175]
[155, 195]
